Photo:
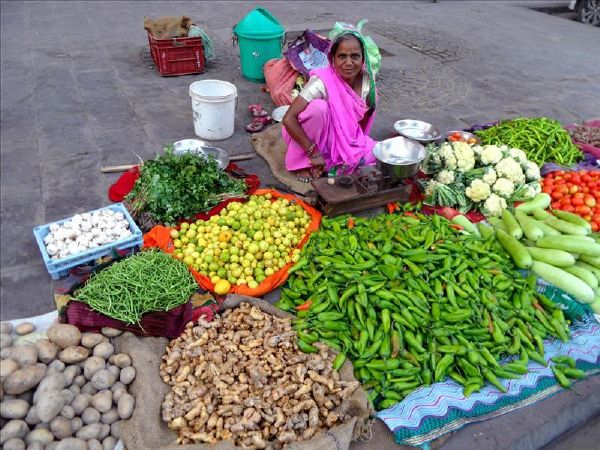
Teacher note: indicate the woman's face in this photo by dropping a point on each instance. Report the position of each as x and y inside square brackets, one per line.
[348, 59]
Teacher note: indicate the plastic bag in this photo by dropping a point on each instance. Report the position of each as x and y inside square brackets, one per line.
[207, 43]
[308, 52]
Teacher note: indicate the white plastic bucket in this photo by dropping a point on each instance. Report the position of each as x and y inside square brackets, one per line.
[213, 105]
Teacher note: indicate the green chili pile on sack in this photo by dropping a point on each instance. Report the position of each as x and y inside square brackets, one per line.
[542, 139]
[413, 299]
[148, 281]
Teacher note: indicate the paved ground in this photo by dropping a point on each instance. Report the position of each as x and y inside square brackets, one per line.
[79, 92]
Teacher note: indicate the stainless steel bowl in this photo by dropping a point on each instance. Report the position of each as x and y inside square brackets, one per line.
[399, 157]
[417, 130]
[464, 136]
[188, 145]
[202, 148]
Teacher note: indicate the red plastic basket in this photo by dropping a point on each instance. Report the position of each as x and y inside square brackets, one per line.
[177, 56]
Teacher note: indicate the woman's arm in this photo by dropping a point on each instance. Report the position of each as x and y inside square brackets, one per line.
[292, 125]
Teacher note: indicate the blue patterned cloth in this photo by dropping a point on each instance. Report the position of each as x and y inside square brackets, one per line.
[432, 411]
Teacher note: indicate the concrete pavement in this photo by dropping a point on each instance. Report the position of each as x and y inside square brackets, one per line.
[79, 91]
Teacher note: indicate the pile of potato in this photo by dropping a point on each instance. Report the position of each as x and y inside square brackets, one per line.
[242, 377]
[66, 392]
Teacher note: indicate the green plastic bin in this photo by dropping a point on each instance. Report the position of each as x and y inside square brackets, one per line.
[260, 38]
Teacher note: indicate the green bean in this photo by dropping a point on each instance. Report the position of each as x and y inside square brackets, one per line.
[148, 281]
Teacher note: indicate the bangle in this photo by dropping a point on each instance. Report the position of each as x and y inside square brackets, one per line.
[312, 152]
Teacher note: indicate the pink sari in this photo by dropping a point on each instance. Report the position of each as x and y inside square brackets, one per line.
[334, 126]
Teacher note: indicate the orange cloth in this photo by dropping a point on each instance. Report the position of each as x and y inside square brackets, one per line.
[160, 237]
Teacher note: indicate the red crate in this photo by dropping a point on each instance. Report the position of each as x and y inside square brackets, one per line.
[177, 56]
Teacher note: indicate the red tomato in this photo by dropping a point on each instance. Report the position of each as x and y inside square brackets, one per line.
[556, 195]
[578, 195]
[589, 201]
[573, 189]
[555, 205]
[568, 208]
[595, 227]
[596, 218]
[577, 201]
[583, 210]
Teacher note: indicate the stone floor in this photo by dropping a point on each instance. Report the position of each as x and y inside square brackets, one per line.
[79, 91]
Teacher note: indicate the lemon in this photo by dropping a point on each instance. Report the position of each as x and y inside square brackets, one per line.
[174, 234]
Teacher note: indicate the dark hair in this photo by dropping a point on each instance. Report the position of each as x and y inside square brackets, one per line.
[345, 37]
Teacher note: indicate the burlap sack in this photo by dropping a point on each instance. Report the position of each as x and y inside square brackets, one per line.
[145, 430]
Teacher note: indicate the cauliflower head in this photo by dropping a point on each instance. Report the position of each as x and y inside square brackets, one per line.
[447, 155]
[494, 205]
[518, 155]
[431, 188]
[465, 157]
[489, 176]
[446, 177]
[532, 171]
[511, 169]
[491, 154]
[503, 187]
[478, 190]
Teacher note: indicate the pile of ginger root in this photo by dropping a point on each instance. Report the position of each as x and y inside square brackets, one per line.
[242, 378]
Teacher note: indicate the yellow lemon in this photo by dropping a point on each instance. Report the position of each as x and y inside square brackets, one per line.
[222, 287]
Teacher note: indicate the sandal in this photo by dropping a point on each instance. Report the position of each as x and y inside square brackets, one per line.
[257, 111]
[258, 123]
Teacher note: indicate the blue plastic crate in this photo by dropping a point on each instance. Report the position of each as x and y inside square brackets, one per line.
[58, 268]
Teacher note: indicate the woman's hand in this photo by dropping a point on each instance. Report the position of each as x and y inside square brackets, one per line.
[318, 166]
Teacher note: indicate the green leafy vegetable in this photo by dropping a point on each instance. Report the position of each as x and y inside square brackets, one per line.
[172, 187]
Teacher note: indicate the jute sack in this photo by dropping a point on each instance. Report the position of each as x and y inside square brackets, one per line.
[145, 430]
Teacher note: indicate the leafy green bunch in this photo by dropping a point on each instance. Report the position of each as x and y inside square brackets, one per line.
[172, 187]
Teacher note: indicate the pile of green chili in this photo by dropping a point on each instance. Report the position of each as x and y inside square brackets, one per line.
[542, 139]
[148, 281]
[411, 300]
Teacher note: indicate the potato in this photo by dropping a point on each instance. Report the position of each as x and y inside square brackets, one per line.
[88, 388]
[52, 382]
[94, 444]
[49, 405]
[79, 380]
[117, 394]
[80, 403]
[90, 340]
[24, 379]
[64, 335]
[127, 375]
[26, 355]
[102, 401]
[67, 412]
[24, 328]
[35, 445]
[56, 366]
[51, 446]
[7, 366]
[47, 351]
[114, 370]
[118, 385]
[75, 389]
[44, 425]
[88, 432]
[104, 350]
[76, 424]
[14, 409]
[111, 332]
[115, 430]
[13, 429]
[90, 415]
[103, 379]
[14, 444]
[71, 444]
[32, 418]
[61, 428]
[104, 431]
[109, 443]
[5, 352]
[74, 354]
[92, 365]
[67, 395]
[70, 373]
[6, 340]
[41, 435]
[121, 360]
[6, 327]
[110, 417]
[125, 406]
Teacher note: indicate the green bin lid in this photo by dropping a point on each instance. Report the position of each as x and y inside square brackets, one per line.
[259, 23]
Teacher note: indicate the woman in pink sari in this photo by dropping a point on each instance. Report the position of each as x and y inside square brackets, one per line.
[327, 125]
